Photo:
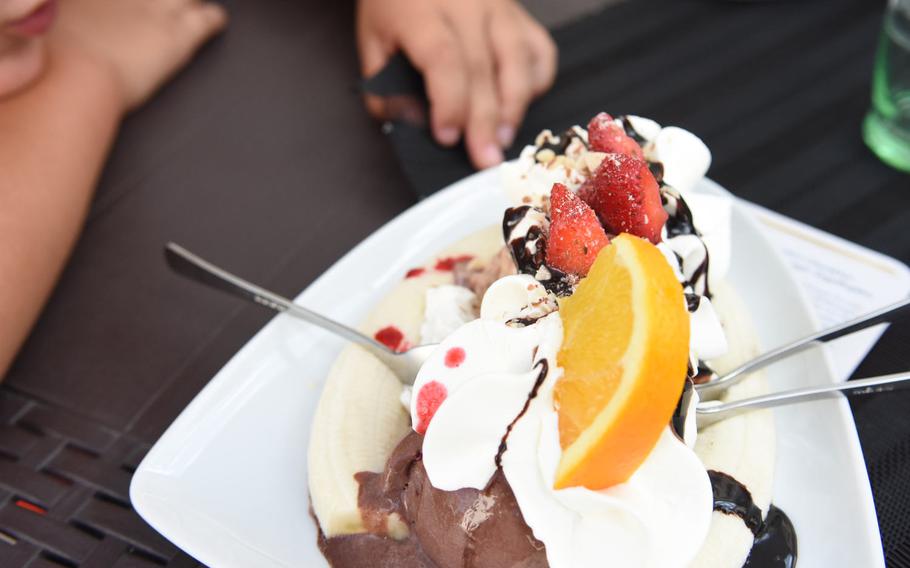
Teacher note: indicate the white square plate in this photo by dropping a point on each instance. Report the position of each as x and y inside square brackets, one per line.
[227, 482]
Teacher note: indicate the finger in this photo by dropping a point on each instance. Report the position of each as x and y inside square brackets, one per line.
[205, 19]
[375, 106]
[374, 52]
[514, 69]
[544, 55]
[483, 114]
[434, 50]
[373, 57]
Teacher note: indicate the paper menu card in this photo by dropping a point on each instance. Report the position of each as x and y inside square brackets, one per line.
[841, 280]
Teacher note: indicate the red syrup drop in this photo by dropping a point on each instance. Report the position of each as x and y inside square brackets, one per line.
[454, 357]
[414, 272]
[448, 263]
[429, 398]
[391, 337]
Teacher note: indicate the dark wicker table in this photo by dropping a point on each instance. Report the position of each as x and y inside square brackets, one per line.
[263, 159]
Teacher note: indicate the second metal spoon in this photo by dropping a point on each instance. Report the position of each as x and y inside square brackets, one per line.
[709, 412]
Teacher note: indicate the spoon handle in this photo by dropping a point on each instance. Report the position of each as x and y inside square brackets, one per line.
[729, 379]
[709, 412]
[196, 268]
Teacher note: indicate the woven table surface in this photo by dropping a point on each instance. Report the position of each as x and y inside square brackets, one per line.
[250, 161]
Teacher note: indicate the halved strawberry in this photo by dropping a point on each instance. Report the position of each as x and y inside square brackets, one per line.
[575, 233]
[626, 197]
[604, 135]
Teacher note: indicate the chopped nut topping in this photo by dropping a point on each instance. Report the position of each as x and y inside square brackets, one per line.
[544, 137]
[592, 160]
[545, 156]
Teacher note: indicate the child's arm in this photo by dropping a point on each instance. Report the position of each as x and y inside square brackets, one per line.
[104, 59]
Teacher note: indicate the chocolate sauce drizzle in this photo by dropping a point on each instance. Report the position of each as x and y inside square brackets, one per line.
[680, 222]
[522, 322]
[631, 132]
[541, 375]
[657, 168]
[701, 273]
[526, 261]
[732, 497]
[564, 140]
[678, 420]
[775, 538]
[556, 280]
[703, 375]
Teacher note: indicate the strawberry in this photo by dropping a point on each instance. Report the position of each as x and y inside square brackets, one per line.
[626, 197]
[575, 233]
[604, 135]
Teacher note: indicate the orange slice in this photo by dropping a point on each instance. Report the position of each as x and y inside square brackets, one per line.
[624, 354]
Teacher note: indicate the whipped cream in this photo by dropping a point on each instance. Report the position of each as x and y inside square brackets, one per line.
[447, 307]
[517, 297]
[644, 127]
[712, 214]
[684, 156]
[528, 179]
[707, 339]
[499, 404]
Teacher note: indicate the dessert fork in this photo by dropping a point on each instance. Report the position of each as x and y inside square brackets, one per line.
[403, 364]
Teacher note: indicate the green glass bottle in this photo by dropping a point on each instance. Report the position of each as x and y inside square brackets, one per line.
[886, 129]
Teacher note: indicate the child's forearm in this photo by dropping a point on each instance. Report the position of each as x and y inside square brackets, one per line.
[54, 138]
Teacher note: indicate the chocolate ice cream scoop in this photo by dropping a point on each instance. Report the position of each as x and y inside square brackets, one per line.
[445, 529]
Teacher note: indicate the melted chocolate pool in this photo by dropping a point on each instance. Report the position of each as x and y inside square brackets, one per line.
[775, 538]
[775, 543]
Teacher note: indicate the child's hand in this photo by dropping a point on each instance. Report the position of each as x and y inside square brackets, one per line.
[483, 61]
[141, 43]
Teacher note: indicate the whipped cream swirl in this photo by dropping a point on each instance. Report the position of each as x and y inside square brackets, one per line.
[498, 406]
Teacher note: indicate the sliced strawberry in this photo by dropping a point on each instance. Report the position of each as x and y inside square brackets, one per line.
[626, 197]
[604, 135]
[575, 233]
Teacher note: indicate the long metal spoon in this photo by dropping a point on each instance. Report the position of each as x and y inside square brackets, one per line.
[404, 364]
[718, 383]
[709, 412]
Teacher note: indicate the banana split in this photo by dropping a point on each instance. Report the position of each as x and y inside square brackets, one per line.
[554, 423]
